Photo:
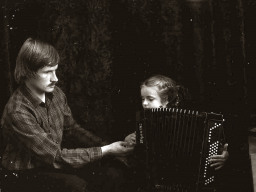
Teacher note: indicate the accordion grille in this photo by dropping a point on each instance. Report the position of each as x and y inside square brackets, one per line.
[178, 144]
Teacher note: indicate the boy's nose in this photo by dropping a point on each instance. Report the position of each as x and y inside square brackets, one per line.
[54, 77]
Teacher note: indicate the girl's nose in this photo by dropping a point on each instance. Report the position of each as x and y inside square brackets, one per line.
[144, 103]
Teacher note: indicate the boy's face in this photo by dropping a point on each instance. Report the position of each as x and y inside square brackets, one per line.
[150, 98]
[45, 79]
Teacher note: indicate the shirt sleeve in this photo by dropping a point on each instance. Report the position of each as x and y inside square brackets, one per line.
[24, 127]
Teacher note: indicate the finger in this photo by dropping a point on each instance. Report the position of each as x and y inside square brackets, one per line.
[219, 167]
[216, 164]
[217, 157]
[132, 143]
[225, 148]
[124, 143]
[132, 139]
[225, 155]
[216, 160]
[133, 136]
[129, 145]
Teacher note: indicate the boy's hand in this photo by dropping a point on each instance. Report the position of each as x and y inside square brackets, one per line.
[119, 148]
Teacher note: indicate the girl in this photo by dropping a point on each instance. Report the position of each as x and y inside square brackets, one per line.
[160, 91]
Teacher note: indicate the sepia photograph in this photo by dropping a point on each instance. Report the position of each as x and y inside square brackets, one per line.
[128, 95]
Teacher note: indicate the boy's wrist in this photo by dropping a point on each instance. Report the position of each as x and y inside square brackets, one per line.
[105, 150]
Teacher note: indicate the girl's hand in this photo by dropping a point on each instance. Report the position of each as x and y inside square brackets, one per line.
[131, 138]
[218, 161]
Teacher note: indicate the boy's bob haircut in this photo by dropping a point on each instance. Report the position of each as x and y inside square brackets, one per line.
[34, 55]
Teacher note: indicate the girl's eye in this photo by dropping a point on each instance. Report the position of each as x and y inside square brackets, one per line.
[151, 99]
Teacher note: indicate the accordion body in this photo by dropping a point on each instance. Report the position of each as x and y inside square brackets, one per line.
[177, 145]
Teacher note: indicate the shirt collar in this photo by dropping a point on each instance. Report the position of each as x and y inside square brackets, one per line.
[32, 98]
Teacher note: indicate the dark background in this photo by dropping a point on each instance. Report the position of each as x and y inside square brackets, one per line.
[108, 47]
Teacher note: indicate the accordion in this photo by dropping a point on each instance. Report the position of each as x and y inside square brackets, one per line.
[177, 145]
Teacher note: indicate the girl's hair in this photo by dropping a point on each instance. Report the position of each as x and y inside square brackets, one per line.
[168, 90]
[33, 55]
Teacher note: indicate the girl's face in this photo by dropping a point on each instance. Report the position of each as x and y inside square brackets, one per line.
[150, 98]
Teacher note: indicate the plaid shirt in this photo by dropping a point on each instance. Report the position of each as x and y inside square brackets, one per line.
[33, 132]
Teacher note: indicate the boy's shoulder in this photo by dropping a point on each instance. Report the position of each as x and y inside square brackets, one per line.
[16, 99]
[17, 103]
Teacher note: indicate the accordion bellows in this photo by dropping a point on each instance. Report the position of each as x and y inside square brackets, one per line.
[178, 144]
